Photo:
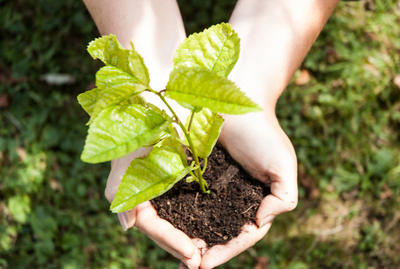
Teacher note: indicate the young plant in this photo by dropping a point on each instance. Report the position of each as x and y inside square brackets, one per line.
[121, 121]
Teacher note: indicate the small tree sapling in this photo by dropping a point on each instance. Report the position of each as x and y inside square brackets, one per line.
[121, 121]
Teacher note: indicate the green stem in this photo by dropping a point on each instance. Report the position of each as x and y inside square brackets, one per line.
[203, 184]
[192, 174]
[204, 166]
[191, 120]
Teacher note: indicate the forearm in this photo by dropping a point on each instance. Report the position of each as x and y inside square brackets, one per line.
[154, 27]
[275, 38]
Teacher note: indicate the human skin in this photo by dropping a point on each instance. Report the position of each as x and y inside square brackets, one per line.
[275, 37]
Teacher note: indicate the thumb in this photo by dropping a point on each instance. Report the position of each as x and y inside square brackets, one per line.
[127, 219]
[118, 169]
[283, 198]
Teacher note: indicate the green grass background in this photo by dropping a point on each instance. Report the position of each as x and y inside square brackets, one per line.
[344, 124]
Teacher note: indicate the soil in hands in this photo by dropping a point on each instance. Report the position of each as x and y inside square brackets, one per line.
[219, 216]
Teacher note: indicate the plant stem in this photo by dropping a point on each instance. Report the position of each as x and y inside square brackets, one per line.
[191, 120]
[203, 184]
[204, 166]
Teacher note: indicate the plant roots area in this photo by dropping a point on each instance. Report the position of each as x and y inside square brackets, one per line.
[219, 216]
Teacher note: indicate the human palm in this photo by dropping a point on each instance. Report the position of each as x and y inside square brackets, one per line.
[258, 143]
[146, 219]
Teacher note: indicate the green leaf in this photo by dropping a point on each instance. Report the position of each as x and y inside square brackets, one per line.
[204, 131]
[138, 67]
[174, 145]
[124, 75]
[120, 130]
[216, 49]
[88, 100]
[195, 109]
[149, 177]
[167, 132]
[190, 179]
[170, 131]
[115, 86]
[136, 99]
[202, 88]
[94, 105]
[111, 53]
[156, 109]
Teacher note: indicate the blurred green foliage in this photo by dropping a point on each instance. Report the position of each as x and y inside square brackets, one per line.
[346, 127]
[344, 123]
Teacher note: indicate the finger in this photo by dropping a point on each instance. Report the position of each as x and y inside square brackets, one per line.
[162, 231]
[200, 244]
[127, 219]
[118, 169]
[193, 262]
[283, 198]
[183, 265]
[220, 254]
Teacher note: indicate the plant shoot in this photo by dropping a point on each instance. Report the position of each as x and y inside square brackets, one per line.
[121, 121]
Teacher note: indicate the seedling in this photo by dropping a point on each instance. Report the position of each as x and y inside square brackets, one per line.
[121, 121]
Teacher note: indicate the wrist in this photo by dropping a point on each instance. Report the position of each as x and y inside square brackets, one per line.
[236, 124]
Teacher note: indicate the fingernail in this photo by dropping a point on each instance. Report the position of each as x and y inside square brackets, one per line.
[268, 219]
[188, 265]
[123, 219]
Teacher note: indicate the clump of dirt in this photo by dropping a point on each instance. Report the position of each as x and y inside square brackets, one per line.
[219, 216]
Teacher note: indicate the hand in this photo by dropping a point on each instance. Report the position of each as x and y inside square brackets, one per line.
[146, 219]
[258, 143]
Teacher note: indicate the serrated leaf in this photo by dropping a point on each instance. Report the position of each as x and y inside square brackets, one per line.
[114, 86]
[139, 69]
[204, 131]
[195, 109]
[93, 104]
[166, 132]
[202, 88]
[136, 99]
[111, 53]
[149, 177]
[120, 130]
[116, 83]
[216, 49]
[124, 75]
[174, 145]
[156, 109]
[88, 100]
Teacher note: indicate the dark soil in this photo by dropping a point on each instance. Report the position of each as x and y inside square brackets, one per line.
[219, 216]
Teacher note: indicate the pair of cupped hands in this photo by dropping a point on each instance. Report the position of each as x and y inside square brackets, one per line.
[257, 142]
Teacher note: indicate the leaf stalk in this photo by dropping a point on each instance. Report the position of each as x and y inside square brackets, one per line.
[203, 184]
[191, 120]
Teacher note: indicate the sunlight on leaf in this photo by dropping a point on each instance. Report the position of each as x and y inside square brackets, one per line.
[120, 130]
[216, 49]
[202, 88]
[149, 177]
[111, 53]
[204, 131]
